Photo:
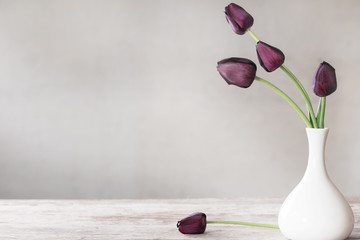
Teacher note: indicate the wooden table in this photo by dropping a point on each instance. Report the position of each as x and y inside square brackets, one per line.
[139, 219]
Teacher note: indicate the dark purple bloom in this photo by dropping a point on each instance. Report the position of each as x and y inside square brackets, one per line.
[193, 224]
[237, 71]
[238, 18]
[324, 80]
[270, 57]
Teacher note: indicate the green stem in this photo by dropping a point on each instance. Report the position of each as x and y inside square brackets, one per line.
[288, 99]
[297, 83]
[321, 112]
[303, 93]
[246, 224]
[253, 35]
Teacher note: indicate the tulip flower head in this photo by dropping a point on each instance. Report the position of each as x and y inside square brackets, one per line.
[324, 80]
[270, 57]
[240, 20]
[193, 224]
[237, 71]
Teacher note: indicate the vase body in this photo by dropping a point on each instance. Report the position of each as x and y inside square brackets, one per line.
[316, 209]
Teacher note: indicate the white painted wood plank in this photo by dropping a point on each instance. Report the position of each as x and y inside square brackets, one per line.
[139, 219]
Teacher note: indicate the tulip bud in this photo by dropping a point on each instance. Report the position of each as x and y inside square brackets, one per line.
[237, 71]
[193, 224]
[324, 80]
[270, 57]
[238, 18]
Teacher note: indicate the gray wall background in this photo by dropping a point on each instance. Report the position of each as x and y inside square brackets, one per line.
[121, 99]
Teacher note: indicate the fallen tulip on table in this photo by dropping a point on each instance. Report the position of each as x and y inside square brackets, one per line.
[196, 224]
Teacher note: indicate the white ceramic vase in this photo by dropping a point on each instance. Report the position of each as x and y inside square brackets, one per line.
[316, 209]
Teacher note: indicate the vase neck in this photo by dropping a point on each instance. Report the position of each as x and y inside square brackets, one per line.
[317, 141]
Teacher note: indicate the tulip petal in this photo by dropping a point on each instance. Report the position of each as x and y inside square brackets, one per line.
[237, 71]
[240, 20]
[234, 26]
[324, 80]
[193, 224]
[270, 58]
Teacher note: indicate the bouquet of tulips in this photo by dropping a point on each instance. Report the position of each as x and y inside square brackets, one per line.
[242, 72]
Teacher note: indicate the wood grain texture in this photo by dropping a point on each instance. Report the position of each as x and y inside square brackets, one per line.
[139, 219]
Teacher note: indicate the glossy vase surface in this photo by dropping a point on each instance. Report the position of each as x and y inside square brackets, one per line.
[316, 209]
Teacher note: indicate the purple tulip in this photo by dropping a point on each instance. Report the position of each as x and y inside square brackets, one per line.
[193, 224]
[270, 57]
[237, 71]
[238, 18]
[324, 80]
